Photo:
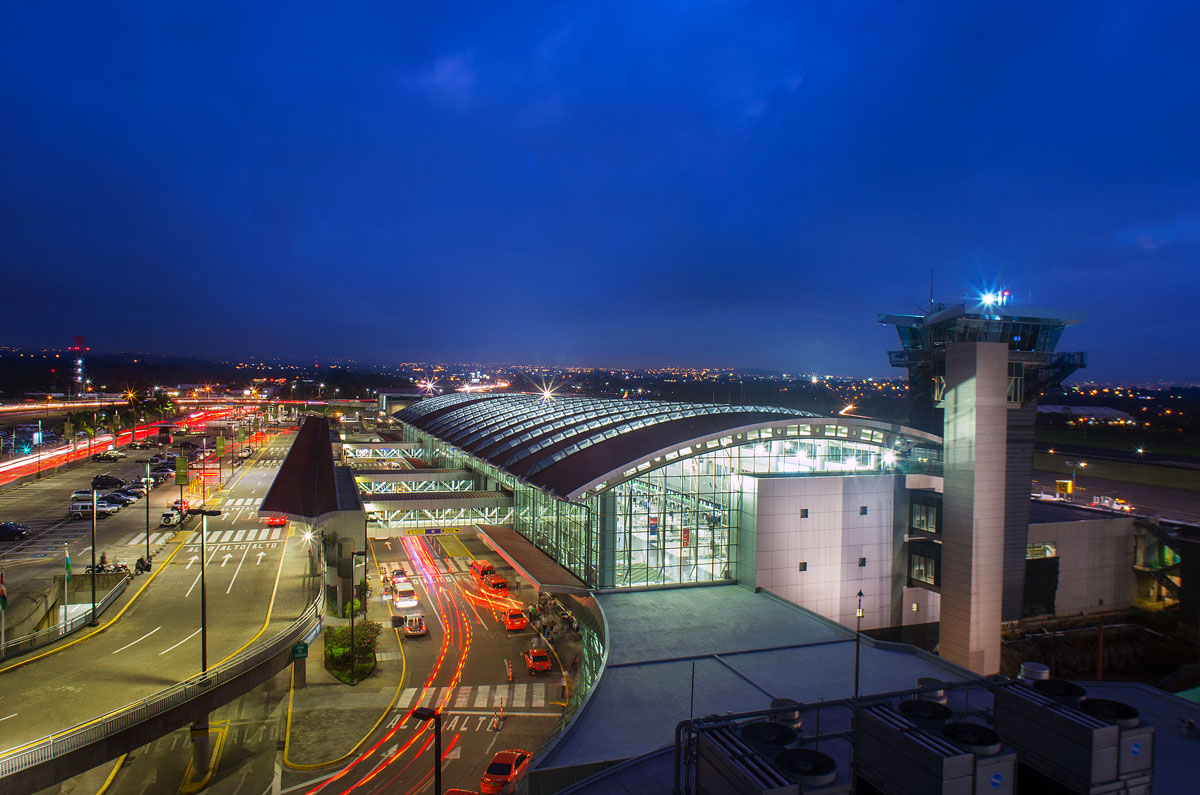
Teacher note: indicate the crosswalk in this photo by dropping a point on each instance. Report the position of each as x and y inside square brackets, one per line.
[241, 502]
[465, 697]
[217, 536]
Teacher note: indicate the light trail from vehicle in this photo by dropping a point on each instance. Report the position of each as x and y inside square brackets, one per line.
[456, 636]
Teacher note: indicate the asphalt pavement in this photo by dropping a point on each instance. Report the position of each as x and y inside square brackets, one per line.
[256, 581]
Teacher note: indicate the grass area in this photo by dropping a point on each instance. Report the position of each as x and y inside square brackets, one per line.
[1105, 439]
[341, 671]
[1145, 474]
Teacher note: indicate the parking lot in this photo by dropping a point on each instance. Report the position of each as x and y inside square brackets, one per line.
[30, 563]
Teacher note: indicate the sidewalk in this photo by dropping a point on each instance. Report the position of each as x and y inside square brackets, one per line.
[329, 718]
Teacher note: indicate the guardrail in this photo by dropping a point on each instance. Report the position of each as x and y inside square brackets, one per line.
[27, 643]
[45, 750]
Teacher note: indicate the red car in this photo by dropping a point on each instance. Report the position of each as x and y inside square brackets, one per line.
[515, 619]
[504, 768]
[276, 521]
[537, 661]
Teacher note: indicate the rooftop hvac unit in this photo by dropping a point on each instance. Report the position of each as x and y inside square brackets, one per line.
[1087, 745]
[760, 759]
[913, 749]
[726, 764]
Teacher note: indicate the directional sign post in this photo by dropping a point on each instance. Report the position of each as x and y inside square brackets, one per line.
[181, 471]
[299, 651]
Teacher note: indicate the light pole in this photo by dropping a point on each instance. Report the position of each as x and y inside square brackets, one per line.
[204, 514]
[424, 714]
[147, 483]
[353, 598]
[1075, 465]
[858, 614]
[93, 621]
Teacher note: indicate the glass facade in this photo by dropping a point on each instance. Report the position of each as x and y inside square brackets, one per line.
[678, 521]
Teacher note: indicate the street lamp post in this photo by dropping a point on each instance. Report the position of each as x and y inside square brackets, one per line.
[353, 597]
[858, 614]
[424, 714]
[1075, 465]
[147, 482]
[93, 621]
[204, 514]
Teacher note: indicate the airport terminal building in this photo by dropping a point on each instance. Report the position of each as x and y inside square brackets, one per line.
[635, 494]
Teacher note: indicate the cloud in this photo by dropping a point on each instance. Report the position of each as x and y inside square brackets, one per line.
[1177, 230]
[449, 81]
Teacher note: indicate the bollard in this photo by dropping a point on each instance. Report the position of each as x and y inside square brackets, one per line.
[497, 717]
[508, 665]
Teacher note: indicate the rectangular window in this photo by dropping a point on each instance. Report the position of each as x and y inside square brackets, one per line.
[924, 558]
[862, 562]
[862, 510]
[803, 513]
[803, 565]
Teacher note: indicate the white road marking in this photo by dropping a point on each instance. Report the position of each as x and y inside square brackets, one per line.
[189, 590]
[180, 643]
[239, 568]
[481, 696]
[6, 717]
[139, 640]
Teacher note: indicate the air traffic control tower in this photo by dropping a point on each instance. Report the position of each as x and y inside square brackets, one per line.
[975, 371]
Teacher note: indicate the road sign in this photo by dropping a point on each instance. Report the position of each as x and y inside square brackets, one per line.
[299, 651]
[181, 471]
[1063, 486]
[687, 531]
[220, 445]
[241, 434]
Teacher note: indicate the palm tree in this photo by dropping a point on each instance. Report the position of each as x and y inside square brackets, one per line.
[82, 421]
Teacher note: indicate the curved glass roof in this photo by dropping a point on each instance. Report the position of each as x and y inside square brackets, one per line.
[526, 435]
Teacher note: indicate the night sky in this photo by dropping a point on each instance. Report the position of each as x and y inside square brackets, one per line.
[606, 183]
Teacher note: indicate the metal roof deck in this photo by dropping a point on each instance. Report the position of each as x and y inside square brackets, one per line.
[570, 444]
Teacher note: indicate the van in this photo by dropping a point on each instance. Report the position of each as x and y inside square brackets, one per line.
[481, 569]
[405, 596]
[78, 510]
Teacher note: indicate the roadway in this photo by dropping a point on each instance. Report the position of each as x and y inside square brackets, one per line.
[257, 582]
[1177, 504]
[459, 668]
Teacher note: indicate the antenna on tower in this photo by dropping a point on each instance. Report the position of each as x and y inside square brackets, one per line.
[931, 288]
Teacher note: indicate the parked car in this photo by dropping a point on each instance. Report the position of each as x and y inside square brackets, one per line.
[14, 531]
[536, 661]
[78, 510]
[107, 482]
[506, 765]
[82, 494]
[137, 492]
[117, 498]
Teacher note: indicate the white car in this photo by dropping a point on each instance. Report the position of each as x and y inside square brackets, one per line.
[170, 519]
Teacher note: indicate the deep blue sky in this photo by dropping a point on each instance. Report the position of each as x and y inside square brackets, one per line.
[609, 183]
